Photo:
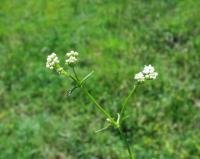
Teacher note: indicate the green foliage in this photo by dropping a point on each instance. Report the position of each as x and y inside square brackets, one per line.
[115, 39]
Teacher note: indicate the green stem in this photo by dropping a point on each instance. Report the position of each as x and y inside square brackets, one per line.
[105, 112]
[126, 144]
[75, 73]
[98, 105]
[126, 101]
[93, 99]
[74, 79]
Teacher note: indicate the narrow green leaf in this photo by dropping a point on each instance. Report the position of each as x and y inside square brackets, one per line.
[100, 130]
[86, 77]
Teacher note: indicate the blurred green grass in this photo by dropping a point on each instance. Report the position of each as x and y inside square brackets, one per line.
[115, 39]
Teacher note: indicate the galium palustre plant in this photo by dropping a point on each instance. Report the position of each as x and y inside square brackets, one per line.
[71, 60]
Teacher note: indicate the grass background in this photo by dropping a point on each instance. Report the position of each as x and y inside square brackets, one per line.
[115, 39]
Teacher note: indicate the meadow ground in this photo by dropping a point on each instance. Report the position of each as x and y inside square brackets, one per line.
[115, 39]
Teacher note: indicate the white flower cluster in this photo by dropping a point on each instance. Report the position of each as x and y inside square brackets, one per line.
[139, 77]
[147, 73]
[72, 58]
[52, 60]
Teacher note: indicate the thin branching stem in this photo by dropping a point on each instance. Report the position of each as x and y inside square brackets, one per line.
[75, 73]
[97, 104]
[93, 99]
[116, 124]
[131, 155]
[74, 79]
[126, 100]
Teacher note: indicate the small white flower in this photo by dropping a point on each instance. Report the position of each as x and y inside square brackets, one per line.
[147, 73]
[72, 53]
[148, 69]
[153, 75]
[139, 77]
[71, 60]
[52, 60]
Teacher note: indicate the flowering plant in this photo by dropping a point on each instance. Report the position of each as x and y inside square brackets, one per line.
[148, 73]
